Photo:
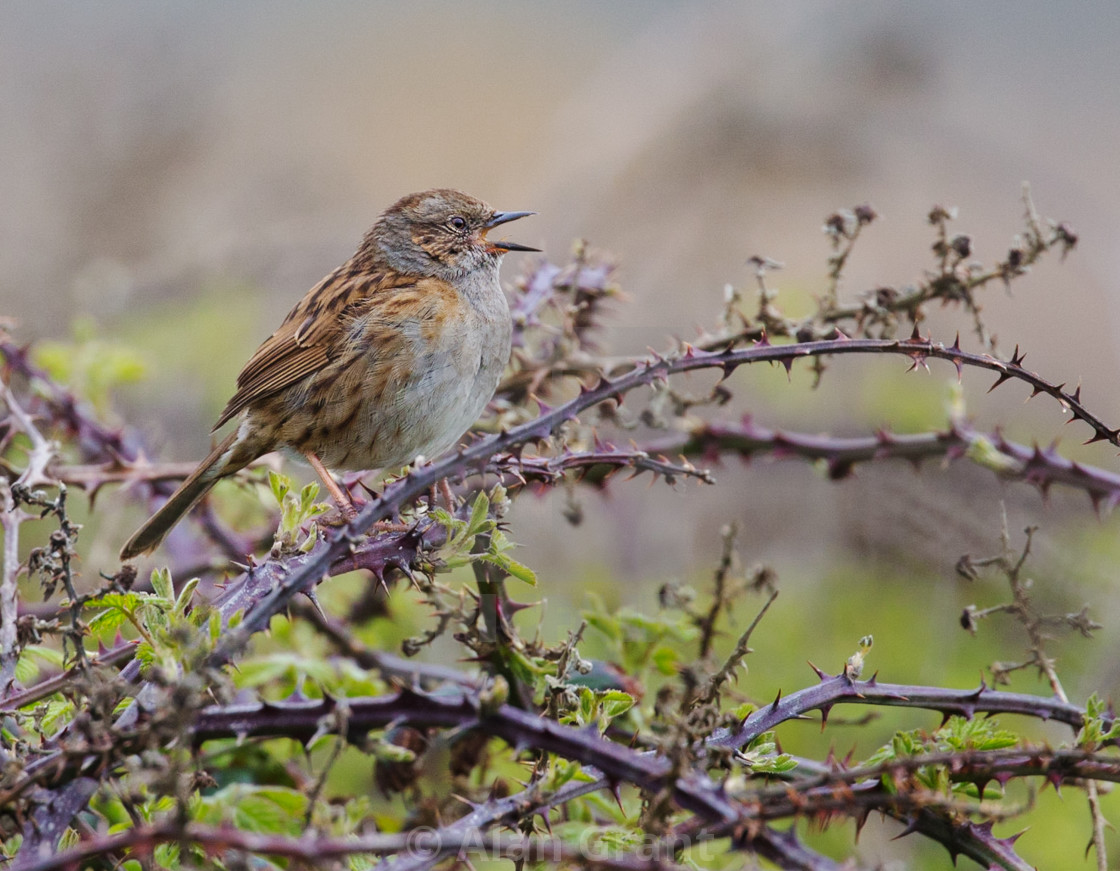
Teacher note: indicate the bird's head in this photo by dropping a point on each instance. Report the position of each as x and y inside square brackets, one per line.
[442, 233]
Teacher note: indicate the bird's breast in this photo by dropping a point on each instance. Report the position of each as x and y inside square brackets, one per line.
[405, 388]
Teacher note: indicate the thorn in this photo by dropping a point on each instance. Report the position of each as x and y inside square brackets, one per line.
[315, 603]
[861, 820]
[918, 360]
[1004, 376]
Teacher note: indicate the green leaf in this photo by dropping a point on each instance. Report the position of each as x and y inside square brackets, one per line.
[26, 669]
[291, 801]
[605, 624]
[11, 846]
[744, 710]
[523, 668]
[665, 660]
[58, 714]
[49, 655]
[280, 485]
[778, 764]
[27, 666]
[256, 813]
[145, 655]
[479, 511]
[615, 703]
[166, 856]
[307, 497]
[162, 584]
[184, 598]
[517, 570]
[262, 670]
[124, 601]
[586, 705]
[108, 621]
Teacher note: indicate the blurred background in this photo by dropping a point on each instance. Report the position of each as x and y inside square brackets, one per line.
[175, 176]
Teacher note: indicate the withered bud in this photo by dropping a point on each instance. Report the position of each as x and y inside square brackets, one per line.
[961, 245]
[27, 629]
[762, 264]
[675, 596]
[836, 224]
[573, 511]
[1083, 623]
[966, 569]
[467, 752]
[397, 772]
[1015, 258]
[939, 214]
[1066, 235]
[884, 296]
[762, 577]
[865, 214]
[126, 577]
[968, 620]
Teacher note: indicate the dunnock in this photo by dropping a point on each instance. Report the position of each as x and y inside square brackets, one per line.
[390, 357]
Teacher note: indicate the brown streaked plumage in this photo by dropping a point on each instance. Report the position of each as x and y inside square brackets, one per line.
[391, 356]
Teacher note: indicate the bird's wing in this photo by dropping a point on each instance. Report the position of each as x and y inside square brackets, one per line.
[309, 337]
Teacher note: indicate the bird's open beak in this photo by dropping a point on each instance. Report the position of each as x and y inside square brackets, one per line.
[505, 218]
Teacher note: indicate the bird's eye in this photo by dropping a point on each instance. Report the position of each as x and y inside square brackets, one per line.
[458, 222]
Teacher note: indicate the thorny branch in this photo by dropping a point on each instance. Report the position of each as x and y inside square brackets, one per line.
[13, 494]
[1038, 628]
[710, 788]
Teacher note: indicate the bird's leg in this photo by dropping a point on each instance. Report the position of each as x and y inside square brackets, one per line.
[441, 488]
[340, 496]
[448, 496]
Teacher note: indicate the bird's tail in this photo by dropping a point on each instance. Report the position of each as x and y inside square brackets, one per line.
[197, 485]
